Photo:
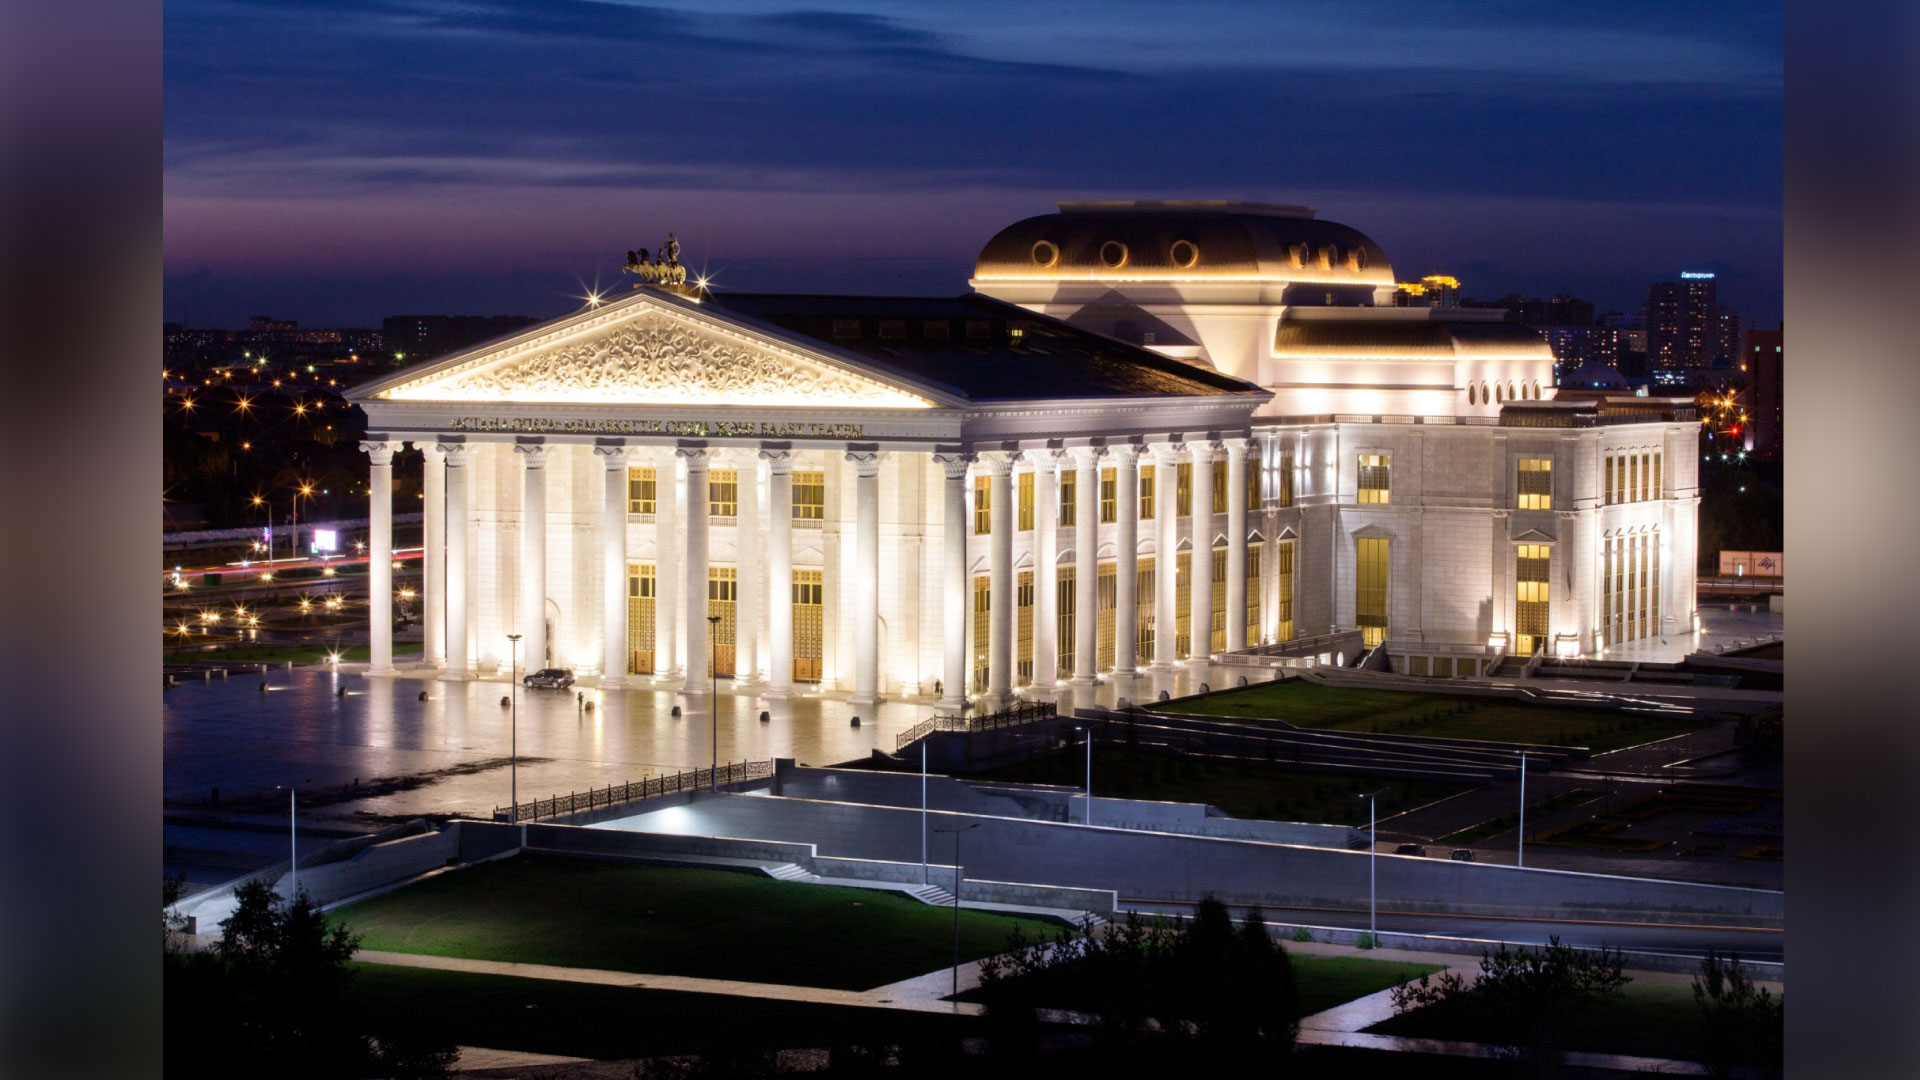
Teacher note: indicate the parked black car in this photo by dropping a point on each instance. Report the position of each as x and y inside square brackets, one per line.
[555, 678]
[1409, 849]
[1461, 854]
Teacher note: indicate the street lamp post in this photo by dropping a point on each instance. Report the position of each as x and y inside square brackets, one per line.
[923, 811]
[1373, 859]
[513, 713]
[956, 899]
[293, 850]
[713, 674]
[1520, 841]
[1088, 731]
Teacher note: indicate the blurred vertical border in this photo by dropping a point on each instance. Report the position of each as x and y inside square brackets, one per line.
[80, 168]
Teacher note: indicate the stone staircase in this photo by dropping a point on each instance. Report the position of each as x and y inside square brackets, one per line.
[931, 895]
[788, 872]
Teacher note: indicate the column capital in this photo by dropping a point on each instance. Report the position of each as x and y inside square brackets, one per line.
[616, 456]
[955, 464]
[1000, 462]
[779, 460]
[430, 448]
[1126, 453]
[533, 455]
[1167, 453]
[696, 456]
[457, 454]
[865, 462]
[380, 452]
[1237, 448]
[1085, 456]
[1202, 450]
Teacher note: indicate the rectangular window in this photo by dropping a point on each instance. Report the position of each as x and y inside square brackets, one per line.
[1534, 484]
[1653, 581]
[1606, 593]
[723, 493]
[1609, 488]
[1183, 489]
[640, 490]
[1063, 625]
[1146, 493]
[1632, 608]
[1419, 665]
[1219, 487]
[1183, 605]
[1286, 479]
[982, 628]
[1143, 619]
[809, 495]
[1370, 589]
[1646, 477]
[1283, 596]
[1375, 479]
[1217, 637]
[1646, 594]
[1658, 491]
[982, 505]
[1253, 594]
[1023, 609]
[1025, 521]
[1255, 500]
[809, 599]
[1069, 496]
[1107, 586]
[640, 616]
[1531, 608]
[1109, 497]
[723, 595]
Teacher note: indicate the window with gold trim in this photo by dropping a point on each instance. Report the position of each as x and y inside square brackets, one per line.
[1064, 600]
[1183, 489]
[982, 628]
[1371, 564]
[1286, 479]
[1107, 592]
[1183, 605]
[640, 617]
[1069, 496]
[1374, 485]
[1253, 594]
[1146, 493]
[1254, 471]
[982, 505]
[1531, 595]
[1023, 619]
[640, 489]
[809, 495]
[723, 493]
[1534, 484]
[1283, 592]
[1217, 636]
[809, 607]
[1109, 496]
[1143, 619]
[1220, 486]
[1024, 522]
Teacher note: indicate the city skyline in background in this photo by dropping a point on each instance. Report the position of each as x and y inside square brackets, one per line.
[335, 164]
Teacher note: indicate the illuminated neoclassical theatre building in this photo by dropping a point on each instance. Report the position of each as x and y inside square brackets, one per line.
[1153, 433]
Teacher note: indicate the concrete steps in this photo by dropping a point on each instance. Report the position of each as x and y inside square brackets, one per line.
[931, 894]
[788, 872]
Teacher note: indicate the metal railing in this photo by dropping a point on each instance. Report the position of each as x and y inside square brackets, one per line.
[575, 802]
[1024, 713]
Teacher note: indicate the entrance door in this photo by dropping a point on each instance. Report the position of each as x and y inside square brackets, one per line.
[640, 601]
[982, 627]
[723, 590]
[808, 596]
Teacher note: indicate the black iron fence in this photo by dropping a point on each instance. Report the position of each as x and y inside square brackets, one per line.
[1024, 713]
[633, 791]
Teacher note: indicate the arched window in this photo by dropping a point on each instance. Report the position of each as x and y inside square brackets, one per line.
[1513, 391]
[1472, 398]
[1485, 397]
[1498, 393]
[1536, 389]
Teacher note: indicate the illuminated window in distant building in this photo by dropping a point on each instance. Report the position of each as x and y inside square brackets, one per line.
[1375, 478]
[1025, 521]
[1535, 483]
[809, 495]
[1109, 497]
[723, 493]
[982, 505]
[640, 490]
[1370, 589]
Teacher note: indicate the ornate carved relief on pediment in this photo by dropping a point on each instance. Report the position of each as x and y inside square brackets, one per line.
[658, 358]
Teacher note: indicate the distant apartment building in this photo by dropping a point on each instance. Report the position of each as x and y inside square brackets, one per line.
[1432, 291]
[1762, 361]
[1686, 325]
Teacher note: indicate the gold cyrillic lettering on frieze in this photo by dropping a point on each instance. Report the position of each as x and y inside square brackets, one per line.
[697, 429]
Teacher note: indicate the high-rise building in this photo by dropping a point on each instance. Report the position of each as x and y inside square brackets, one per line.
[1576, 346]
[1763, 359]
[1727, 347]
[1683, 322]
[1432, 291]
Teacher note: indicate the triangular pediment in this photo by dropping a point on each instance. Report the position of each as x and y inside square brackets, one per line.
[1533, 536]
[645, 350]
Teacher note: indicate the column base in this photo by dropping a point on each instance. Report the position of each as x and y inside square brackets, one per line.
[1124, 673]
[1198, 661]
[865, 699]
[777, 693]
[1164, 667]
[382, 670]
[617, 682]
[1083, 680]
[456, 675]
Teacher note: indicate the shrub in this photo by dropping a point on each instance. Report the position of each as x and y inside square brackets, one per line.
[1522, 996]
[1743, 1023]
[1301, 933]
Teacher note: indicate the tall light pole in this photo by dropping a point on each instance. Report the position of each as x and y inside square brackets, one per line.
[258, 501]
[1520, 850]
[713, 674]
[923, 811]
[293, 851]
[1373, 859]
[513, 751]
[956, 899]
[1088, 731]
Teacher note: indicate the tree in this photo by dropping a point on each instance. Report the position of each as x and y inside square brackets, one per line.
[272, 998]
[1524, 997]
[1744, 1023]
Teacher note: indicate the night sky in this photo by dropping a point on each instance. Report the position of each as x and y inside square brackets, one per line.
[342, 160]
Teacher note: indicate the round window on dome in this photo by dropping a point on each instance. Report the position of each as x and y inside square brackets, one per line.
[1114, 254]
[1045, 253]
[1184, 254]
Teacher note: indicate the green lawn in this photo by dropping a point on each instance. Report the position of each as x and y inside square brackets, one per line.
[1642, 1019]
[1312, 705]
[1326, 981]
[609, 1022]
[670, 921]
[1242, 789]
[1474, 834]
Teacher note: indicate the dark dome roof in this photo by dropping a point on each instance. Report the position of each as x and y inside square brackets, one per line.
[1183, 240]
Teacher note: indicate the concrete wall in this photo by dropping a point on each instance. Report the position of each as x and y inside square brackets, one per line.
[1158, 866]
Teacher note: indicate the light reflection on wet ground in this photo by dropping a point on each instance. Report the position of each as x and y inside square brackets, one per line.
[233, 736]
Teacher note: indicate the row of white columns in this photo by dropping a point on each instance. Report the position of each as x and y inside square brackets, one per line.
[446, 629]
